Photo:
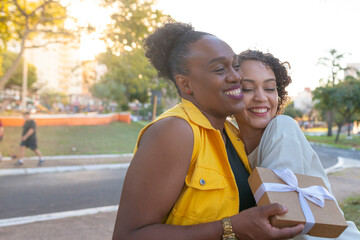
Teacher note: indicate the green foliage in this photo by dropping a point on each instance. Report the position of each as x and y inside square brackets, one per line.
[33, 18]
[291, 111]
[351, 209]
[133, 21]
[325, 93]
[146, 112]
[5, 31]
[344, 142]
[347, 97]
[50, 97]
[42, 22]
[127, 78]
[130, 76]
[343, 98]
[17, 78]
[334, 63]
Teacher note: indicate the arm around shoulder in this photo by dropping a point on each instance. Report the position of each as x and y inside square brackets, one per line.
[153, 183]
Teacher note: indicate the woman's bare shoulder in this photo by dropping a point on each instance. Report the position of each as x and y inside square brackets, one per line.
[170, 129]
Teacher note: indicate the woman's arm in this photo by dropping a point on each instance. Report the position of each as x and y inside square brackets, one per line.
[283, 145]
[154, 181]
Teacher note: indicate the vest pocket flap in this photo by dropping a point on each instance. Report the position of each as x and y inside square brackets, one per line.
[205, 179]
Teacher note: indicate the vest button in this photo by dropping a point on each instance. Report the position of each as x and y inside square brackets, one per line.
[202, 182]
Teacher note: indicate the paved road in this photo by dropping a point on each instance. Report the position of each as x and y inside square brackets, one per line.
[26, 195]
[328, 156]
[34, 194]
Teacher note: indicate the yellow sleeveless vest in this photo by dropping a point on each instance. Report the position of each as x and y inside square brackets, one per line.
[210, 192]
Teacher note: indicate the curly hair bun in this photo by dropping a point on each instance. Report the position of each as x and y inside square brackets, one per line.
[159, 45]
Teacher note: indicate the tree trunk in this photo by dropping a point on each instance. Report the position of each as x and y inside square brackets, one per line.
[349, 128]
[338, 132]
[5, 78]
[329, 120]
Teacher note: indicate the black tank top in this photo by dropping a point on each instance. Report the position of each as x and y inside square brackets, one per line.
[241, 177]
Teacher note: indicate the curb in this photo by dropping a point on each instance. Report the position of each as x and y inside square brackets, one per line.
[64, 157]
[58, 215]
[329, 145]
[342, 164]
[7, 172]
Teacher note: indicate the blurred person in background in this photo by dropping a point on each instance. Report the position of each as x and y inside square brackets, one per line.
[29, 140]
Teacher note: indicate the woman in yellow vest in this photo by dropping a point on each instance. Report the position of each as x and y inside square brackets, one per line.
[188, 177]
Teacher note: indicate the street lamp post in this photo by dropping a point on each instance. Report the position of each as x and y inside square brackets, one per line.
[24, 84]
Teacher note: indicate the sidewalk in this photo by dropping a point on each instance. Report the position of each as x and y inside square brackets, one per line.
[344, 184]
[65, 164]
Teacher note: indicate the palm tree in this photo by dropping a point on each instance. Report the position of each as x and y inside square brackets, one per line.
[334, 63]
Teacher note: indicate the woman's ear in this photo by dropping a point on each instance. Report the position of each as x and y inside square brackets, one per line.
[183, 84]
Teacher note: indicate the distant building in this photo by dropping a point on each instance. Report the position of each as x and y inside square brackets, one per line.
[303, 101]
[58, 67]
[351, 69]
[92, 72]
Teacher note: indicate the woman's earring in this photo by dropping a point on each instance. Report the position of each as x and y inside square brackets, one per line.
[189, 92]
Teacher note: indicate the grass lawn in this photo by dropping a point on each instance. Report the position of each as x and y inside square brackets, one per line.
[116, 137]
[351, 209]
[344, 142]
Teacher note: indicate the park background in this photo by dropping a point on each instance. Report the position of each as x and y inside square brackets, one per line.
[84, 58]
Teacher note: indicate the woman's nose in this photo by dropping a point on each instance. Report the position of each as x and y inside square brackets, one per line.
[260, 95]
[234, 76]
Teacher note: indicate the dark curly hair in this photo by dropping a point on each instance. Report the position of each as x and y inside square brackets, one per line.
[279, 68]
[168, 49]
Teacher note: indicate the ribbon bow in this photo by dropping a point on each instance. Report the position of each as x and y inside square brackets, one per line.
[316, 194]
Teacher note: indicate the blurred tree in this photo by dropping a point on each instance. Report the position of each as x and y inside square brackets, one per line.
[5, 32]
[130, 76]
[109, 90]
[131, 23]
[347, 101]
[323, 103]
[23, 21]
[16, 78]
[344, 99]
[334, 63]
[49, 98]
[291, 111]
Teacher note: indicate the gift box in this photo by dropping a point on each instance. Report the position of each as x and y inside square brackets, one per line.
[279, 186]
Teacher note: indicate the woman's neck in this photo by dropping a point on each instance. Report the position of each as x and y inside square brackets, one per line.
[251, 138]
[216, 121]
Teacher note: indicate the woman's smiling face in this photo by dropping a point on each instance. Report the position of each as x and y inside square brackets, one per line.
[260, 95]
[214, 77]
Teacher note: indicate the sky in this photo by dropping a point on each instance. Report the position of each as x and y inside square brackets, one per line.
[297, 31]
